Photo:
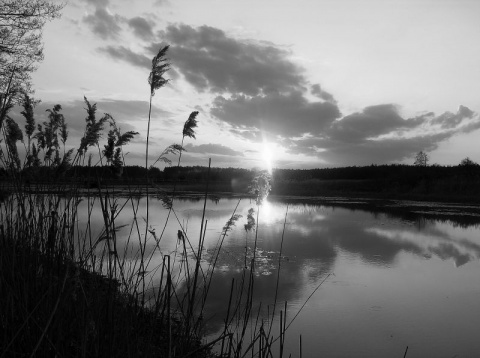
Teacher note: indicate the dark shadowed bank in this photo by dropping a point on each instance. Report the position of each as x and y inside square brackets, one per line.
[52, 307]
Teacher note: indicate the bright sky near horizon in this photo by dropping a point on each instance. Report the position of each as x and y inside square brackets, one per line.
[304, 83]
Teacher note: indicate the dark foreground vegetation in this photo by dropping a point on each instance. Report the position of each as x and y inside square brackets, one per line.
[54, 307]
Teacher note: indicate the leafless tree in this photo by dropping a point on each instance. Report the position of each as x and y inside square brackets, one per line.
[21, 46]
[421, 159]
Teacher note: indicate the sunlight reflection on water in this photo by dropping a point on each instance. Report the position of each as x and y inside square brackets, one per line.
[398, 279]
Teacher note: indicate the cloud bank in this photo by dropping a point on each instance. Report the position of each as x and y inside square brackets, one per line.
[258, 90]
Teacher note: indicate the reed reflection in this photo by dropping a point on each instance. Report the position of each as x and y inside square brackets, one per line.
[317, 238]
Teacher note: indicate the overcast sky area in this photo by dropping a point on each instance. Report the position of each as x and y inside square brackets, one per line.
[316, 83]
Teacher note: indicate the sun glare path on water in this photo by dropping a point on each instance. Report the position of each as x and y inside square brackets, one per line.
[267, 212]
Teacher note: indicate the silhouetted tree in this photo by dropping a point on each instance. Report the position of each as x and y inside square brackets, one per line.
[421, 159]
[468, 168]
[467, 162]
[21, 47]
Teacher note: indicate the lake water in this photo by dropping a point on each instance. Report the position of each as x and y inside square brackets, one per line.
[381, 280]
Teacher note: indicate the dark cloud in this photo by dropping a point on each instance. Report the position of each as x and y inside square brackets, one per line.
[316, 90]
[465, 112]
[104, 24]
[381, 151]
[281, 114]
[121, 53]
[212, 149]
[212, 61]
[359, 141]
[259, 87]
[107, 25]
[142, 28]
[450, 120]
[471, 126]
[372, 122]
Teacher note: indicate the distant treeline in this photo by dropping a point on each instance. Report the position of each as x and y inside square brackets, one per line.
[407, 174]
[436, 182]
[389, 181]
[461, 182]
[134, 174]
[82, 173]
[394, 172]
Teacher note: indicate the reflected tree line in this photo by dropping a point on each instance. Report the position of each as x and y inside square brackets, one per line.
[312, 247]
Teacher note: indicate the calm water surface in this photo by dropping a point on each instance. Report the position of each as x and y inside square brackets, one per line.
[390, 281]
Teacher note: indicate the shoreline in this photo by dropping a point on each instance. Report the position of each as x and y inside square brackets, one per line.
[454, 208]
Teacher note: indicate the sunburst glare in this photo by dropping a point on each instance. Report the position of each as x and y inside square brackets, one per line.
[267, 154]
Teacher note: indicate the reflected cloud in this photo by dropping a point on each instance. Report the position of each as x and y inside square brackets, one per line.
[449, 251]
[432, 243]
[370, 246]
[315, 239]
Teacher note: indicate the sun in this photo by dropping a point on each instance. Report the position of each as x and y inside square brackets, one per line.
[267, 154]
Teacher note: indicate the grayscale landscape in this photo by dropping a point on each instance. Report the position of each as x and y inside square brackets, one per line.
[239, 178]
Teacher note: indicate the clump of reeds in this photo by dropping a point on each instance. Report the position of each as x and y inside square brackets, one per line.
[70, 291]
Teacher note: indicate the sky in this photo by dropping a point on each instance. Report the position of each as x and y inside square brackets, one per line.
[284, 84]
